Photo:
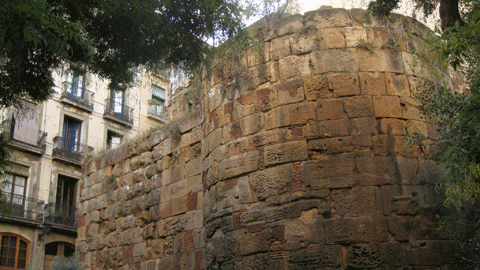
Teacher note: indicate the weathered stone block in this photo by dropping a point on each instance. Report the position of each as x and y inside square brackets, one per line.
[364, 126]
[431, 253]
[215, 96]
[317, 87]
[329, 128]
[374, 171]
[332, 146]
[381, 61]
[324, 18]
[293, 114]
[358, 106]
[345, 84]
[252, 243]
[323, 257]
[331, 38]
[280, 48]
[410, 109]
[238, 165]
[356, 230]
[376, 255]
[286, 152]
[294, 65]
[392, 126]
[372, 83]
[357, 201]
[387, 106]
[397, 84]
[290, 92]
[334, 60]
[354, 35]
[329, 109]
[303, 43]
[271, 182]
[328, 173]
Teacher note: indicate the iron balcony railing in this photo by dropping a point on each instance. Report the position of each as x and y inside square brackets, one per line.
[61, 215]
[34, 138]
[157, 110]
[119, 111]
[77, 94]
[16, 206]
[71, 150]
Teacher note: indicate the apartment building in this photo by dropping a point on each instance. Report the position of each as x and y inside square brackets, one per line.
[49, 141]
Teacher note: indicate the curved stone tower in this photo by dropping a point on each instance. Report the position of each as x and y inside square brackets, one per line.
[304, 159]
[296, 160]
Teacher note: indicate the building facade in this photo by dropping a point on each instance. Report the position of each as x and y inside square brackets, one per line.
[48, 142]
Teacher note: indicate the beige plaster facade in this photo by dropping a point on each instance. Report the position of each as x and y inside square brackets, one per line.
[49, 141]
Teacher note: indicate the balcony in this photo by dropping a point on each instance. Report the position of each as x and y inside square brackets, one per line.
[67, 152]
[118, 112]
[78, 97]
[157, 112]
[22, 208]
[61, 217]
[25, 138]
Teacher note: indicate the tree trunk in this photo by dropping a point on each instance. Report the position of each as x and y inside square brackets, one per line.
[449, 13]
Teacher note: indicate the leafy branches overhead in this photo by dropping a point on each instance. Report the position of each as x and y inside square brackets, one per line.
[109, 37]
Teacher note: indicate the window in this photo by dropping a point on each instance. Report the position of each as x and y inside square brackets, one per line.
[57, 249]
[65, 200]
[158, 100]
[75, 87]
[118, 101]
[14, 251]
[15, 189]
[113, 139]
[71, 134]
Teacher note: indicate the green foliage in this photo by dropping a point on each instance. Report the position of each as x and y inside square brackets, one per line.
[109, 37]
[67, 263]
[366, 45]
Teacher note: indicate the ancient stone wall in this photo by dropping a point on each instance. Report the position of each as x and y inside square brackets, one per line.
[296, 160]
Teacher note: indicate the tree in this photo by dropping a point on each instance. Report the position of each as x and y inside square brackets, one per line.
[108, 37]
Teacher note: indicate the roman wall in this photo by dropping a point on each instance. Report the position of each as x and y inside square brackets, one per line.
[295, 159]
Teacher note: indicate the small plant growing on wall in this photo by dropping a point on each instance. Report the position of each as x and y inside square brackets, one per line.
[109, 183]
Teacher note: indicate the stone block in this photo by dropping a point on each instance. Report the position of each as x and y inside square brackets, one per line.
[292, 114]
[322, 257]
[431, 253]
[364, 126]
[290, 92]
[324, 18]
[374, 171]
[238, 165]
[397, 85]
[317, 87]
[259, 75]
[280, 48]
[381, 61]
[271, 182]
[387, 106]
[329, 109]
[331, 146]
[289, 25]
[345, 84]
[354, 35]
[372, 83]
[285, 152]
[356, 230]
[215, 96]
[405, 200]
[303, 43]
[429, 172]
[410, 109]
[358, 106]
[376, 255]
[392, 126]
[331, 38]
[252, 243]
[334, 60]
[328, 128]
[357, 202]
[328, 173]
[140, 250]
[262, 262]
[294, 65]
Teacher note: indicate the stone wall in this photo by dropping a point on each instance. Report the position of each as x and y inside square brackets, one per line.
[296, 160]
